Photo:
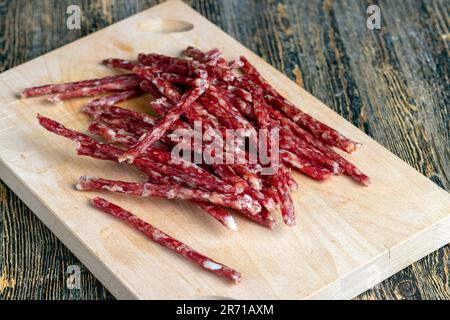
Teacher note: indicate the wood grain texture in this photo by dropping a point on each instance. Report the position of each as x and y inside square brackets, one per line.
[326, 48]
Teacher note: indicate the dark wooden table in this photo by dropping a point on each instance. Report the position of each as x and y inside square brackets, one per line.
[393, 83]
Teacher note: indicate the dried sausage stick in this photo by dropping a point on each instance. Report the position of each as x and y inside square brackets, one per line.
[95, 91]
[243, 107]
[122, 64]
[164, 125]
[196, 113]
[216, 66]
[243, 203]
[226, 105]
[287, 206]
[146, 162]
[165, 240]
[302, 149]
[113, 99]
[226, 173]
[104, 153]
[314, 126]
[174, 68]
[305, 166]
[153, 59]
[167, 158]
[281, 179]
[89, 147]
[71, 86]
[218, 213]
[96, 111]
[318, 129]
[200, 56]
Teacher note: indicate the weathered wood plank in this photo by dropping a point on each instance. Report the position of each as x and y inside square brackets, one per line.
[392, 83]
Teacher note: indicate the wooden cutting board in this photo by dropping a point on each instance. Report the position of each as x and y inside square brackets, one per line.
[347, 239]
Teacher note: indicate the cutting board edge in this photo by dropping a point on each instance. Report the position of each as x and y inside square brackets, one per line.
[111, 280]
[390, 266]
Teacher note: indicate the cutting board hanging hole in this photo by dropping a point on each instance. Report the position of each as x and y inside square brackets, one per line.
[165, 25]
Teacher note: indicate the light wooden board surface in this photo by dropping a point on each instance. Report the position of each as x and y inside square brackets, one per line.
[348, 237]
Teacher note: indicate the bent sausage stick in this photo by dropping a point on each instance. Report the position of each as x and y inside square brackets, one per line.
[243, 203]
[164, 125]
[165, 240]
